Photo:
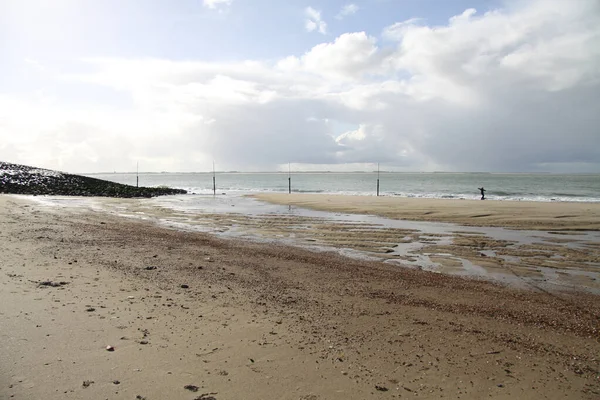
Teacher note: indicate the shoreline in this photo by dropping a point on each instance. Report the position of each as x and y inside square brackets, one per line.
[563, 216]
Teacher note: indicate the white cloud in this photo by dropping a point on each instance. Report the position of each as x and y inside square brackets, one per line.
[373, 143]
[553, 43]
[513, 89]
[313, 21]
[348, 9]
[35, 64]
[397, 30]
[349, 56]
[215, 4]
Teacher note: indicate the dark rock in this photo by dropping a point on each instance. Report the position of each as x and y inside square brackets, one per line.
[381, 388]
[185, 286]
[191, 388]
[23, 179]
[52, 284]
[206, 396]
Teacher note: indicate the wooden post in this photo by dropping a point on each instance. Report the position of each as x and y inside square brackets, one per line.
[289, 178]
[214, 181]
[377, 179]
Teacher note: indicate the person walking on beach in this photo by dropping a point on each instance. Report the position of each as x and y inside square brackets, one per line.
[482, 190]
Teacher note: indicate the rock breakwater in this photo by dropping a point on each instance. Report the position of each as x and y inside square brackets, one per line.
[23, 179]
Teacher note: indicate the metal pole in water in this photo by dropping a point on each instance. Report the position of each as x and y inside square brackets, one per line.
[377, 179]
[214, 181]
[289, 178]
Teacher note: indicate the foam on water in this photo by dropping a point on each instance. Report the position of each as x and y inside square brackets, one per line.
[444, 196]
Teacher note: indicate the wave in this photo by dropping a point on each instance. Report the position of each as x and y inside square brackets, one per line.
[499, 196]
[308, 191]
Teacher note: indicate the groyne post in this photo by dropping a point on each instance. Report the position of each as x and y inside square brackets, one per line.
[377, 179]
[214, 181]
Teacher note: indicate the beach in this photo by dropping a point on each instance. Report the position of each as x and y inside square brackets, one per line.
[509, 214]
[232, 319]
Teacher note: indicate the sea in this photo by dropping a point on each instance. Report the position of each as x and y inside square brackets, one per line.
[498, 186]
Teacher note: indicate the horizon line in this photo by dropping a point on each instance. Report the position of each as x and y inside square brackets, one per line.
[340, 172]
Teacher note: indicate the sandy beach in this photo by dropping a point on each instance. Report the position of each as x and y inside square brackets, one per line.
[510, 214]
[192, 316]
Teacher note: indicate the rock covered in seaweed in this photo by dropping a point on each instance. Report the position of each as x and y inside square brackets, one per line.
[23, 179]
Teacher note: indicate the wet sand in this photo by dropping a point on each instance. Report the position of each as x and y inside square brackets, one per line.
[265, 321]
[510, 214]
[555, 260]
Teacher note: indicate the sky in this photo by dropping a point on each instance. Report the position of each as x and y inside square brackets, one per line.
[415, 85]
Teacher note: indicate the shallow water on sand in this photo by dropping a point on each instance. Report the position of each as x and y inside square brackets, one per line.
[530, 259]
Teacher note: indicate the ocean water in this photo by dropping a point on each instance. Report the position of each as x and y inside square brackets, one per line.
[515, 187]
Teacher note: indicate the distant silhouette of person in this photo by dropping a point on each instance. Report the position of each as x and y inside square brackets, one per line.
[482, 190]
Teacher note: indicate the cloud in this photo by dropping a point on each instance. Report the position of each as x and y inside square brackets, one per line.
[513, 89]
[373, 143]
[35, 64]
[348, 9]
[495, 89]
[349, 56]
[313, 21]
[215, 4]
[397, 30]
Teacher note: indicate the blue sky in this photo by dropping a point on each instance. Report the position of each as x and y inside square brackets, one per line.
[414, 84]
[63, 30]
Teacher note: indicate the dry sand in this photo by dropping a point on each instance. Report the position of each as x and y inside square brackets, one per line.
[242, 320]
[510, 214]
